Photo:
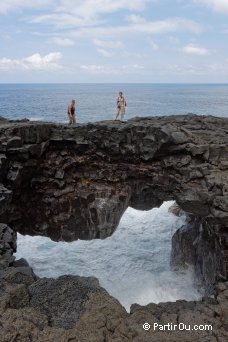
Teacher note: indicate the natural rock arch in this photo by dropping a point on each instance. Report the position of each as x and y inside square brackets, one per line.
[76, 182]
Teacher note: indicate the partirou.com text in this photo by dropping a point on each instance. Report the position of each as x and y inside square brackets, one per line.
[180, 326]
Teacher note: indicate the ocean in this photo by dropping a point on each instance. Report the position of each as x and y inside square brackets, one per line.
[132, 264]
[96, 102]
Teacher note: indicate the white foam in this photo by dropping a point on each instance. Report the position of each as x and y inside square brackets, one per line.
[36, 118]
[132, 264]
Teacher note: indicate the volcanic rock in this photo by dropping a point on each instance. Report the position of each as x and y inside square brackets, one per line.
[73, 183]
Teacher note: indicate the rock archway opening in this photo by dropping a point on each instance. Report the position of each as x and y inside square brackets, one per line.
[133, 264]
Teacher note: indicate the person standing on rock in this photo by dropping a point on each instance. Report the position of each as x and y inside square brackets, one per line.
[71, 112]
[120, 105]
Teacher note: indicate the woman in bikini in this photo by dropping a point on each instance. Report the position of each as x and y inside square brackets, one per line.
[120, 105]
[71, 112]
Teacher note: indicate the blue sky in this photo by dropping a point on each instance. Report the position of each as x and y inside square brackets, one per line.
[114, 41]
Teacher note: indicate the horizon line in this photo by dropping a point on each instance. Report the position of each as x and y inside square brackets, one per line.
[186, 83]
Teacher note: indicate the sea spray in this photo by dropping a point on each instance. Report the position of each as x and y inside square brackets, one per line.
[132, 264]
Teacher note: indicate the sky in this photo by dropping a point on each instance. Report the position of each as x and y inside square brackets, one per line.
[99, 41]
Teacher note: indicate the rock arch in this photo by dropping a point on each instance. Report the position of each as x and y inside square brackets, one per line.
[76, 182]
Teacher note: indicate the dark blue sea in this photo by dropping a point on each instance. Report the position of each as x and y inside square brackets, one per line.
[95, 102]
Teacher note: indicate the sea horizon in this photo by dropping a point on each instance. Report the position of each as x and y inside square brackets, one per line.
[142, 83]
[97, 101]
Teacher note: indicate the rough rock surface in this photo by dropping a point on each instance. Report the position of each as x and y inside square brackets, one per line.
[73, 308]
[176, 210]
[76, 182]
[7, 246]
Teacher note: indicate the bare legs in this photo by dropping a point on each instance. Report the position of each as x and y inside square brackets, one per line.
[120, 112]
[72, 119]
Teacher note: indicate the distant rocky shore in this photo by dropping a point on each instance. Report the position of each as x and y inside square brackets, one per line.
[73, 183]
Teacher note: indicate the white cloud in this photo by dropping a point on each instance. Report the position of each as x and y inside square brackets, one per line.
[196, 50]
[96, 69]
[101, 69]
[64, 20]
[132, 67]
[33, 62]
[204, 69]
[133, 55]
[135, 19]
[92, 67]
[81, 13]
[86, 13]
[187, 69]
[12, 5]
[63, 41]
[108, 44]
[139, 24]
[216, 5]
[93, 8]
[103, 45]
[104, 53]
[106, 31]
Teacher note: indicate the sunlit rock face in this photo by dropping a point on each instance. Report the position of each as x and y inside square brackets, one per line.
[73, 183]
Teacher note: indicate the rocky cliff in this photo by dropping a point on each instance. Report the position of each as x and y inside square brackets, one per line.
[76, 182]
